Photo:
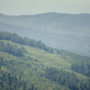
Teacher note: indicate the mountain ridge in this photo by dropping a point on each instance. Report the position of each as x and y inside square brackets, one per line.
[46, 13]
[53, 29]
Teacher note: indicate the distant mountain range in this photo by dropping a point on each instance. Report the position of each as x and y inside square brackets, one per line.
[64, 31]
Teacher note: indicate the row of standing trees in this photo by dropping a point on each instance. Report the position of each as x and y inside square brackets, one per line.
[67, 79]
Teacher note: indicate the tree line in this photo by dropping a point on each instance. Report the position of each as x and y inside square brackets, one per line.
[68, 79]
[24, 41]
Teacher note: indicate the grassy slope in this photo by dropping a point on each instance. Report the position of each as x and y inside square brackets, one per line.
[33, 65]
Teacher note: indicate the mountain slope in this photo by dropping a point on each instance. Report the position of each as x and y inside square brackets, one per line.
[64, 31]
[38, 69]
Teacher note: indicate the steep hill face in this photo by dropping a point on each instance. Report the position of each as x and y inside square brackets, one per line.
[64, 31]
[25, 66]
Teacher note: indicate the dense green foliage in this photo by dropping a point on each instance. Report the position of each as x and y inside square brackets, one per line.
[24, 41]
[82, 68]
[68, 79]
[13, 49]
[27, 67]
[9, 82]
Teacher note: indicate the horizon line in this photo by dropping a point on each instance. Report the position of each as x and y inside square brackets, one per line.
[41, 13]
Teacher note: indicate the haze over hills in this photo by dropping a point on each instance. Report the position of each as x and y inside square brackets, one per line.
[64, 31]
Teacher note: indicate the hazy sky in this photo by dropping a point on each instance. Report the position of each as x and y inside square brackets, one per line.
[17, 7]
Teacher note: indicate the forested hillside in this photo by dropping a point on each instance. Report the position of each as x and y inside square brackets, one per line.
[26, 64]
